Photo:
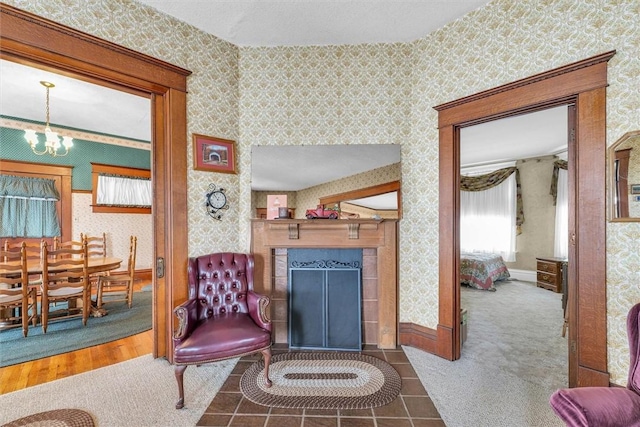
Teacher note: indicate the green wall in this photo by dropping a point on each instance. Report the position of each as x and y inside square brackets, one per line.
[13, 146]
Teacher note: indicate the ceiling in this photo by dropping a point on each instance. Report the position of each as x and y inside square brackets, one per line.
[81, 105]
[313, 22]
[73, 103]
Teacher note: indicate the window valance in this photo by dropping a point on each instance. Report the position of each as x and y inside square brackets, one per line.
[558, 164]
[492, 179]
[114, 190]
[19, 187]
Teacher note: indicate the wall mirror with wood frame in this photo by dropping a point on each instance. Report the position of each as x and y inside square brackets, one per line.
[362, 181]
[624, 178]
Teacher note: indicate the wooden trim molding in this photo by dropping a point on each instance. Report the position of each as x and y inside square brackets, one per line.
[418, 336]
[363, 192]
[583, 83]
[34, 41]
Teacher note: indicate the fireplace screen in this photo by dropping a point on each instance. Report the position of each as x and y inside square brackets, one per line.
[325, 306]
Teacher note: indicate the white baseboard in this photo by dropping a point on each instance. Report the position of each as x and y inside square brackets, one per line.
[524, 275]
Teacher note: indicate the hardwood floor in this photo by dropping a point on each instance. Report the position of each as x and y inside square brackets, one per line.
[28, 374]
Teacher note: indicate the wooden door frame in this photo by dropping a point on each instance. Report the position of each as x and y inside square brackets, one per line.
[583, 83]
[32, 40]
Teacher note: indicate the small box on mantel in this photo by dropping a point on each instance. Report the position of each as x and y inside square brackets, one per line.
[274, 203]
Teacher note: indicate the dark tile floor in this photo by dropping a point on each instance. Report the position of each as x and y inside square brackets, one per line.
[412, 408]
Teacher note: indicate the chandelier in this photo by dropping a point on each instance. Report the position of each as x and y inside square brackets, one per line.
[53, 142]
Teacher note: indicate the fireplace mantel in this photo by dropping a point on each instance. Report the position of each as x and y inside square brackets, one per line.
[381, 235]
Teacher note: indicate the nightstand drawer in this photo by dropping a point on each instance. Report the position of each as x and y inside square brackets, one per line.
[549, 273]
[547, 267]
[547, 278]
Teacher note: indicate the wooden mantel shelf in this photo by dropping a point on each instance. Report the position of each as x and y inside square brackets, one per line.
[364, 230]
[382, 235]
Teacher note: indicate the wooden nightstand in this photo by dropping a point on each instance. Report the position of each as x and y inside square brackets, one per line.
[549, 273]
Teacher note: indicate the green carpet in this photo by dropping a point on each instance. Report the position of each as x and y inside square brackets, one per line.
[68, 335]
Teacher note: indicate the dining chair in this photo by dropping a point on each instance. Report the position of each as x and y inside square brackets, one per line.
[65, 278]
[119, 286]
[18, 301]
[33, 249]
[58, 244]
[96, 247]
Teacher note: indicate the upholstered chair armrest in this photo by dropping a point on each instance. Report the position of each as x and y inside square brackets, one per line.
[258, 309]
[597, 406]
[187, 316]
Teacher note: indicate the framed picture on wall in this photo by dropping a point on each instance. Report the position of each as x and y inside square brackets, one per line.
[213, 154]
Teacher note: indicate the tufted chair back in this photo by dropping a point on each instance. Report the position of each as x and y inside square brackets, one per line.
[223, 317]
[220, 283]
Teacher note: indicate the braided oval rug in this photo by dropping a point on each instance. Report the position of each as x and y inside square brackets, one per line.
[322, 381]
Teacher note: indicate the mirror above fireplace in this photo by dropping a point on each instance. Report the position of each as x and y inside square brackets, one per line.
[309, 174]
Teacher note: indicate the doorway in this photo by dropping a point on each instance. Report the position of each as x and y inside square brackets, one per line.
[502, 240]
[583, 83]
[38, 42]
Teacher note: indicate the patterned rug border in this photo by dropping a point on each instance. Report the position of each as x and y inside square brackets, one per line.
[385, 395]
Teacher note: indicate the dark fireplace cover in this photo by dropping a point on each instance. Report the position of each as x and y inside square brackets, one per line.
[325, 309]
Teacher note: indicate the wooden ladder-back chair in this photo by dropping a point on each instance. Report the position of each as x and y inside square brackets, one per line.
[65, 278]
[96, 247]
[70, 244]
[17, 299]
[33, 249]
[119, 285]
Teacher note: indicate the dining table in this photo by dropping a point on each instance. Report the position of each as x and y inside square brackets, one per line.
[94, 265]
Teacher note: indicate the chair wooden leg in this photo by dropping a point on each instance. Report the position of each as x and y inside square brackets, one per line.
[45, 315]
[86, 308]
[130, 293]
[34, 318]
[25, 319]
[179, 376]
[267, 361]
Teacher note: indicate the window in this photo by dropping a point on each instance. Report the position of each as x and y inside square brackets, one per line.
[28, 207]
[488, 220]
[118, 189]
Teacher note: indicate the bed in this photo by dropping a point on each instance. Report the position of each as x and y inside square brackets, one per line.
[482, 270]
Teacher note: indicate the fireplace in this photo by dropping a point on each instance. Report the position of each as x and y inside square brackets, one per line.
[324, 299]
[271, 241]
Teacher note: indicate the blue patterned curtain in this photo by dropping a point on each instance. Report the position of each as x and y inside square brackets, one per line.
[28, 207]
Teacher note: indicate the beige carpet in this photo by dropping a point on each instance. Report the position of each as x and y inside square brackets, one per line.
[140, 392]
[513, 360]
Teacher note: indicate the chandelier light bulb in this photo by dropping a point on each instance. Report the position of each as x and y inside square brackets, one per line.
[53, 142]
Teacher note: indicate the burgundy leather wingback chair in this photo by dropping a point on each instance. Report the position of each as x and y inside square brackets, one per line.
[605, 406]
[223, 317]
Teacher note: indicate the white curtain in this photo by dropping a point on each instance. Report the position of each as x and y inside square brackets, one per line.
[488, 220]
[121, 191]
[561, 240]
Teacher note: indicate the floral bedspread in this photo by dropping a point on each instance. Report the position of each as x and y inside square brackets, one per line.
[481, 270]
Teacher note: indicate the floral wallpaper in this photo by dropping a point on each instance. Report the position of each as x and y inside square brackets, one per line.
[382, 93]
[499, 43]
